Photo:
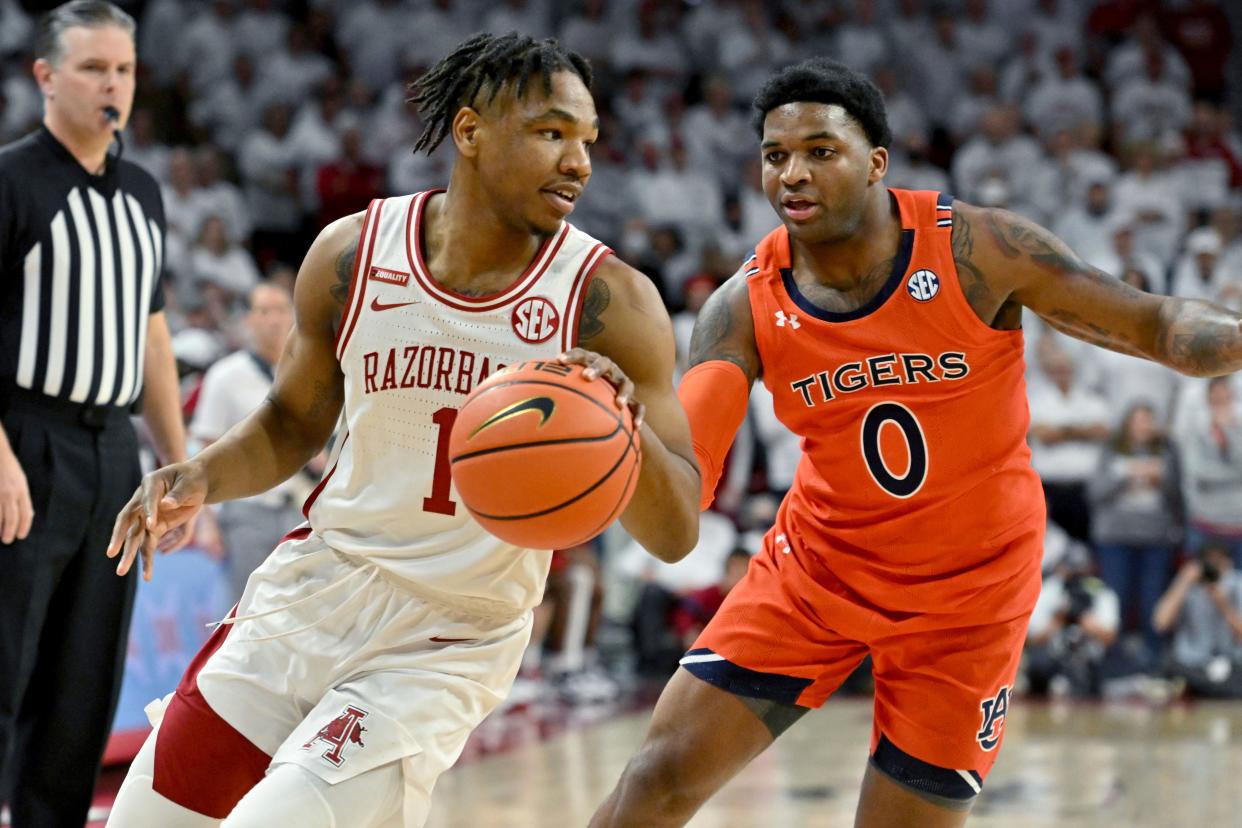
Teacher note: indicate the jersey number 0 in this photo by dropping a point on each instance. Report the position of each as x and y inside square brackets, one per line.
[877, 417]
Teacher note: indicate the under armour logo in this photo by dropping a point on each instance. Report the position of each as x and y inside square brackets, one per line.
[782, 543]
[791, 319]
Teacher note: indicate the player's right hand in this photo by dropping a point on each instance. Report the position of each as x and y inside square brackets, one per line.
[16, 510]
[168, 498]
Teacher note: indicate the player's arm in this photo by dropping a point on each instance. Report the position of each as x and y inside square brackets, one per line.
[625, 321]
[1012, 257]
[724, 364]
[278, 437]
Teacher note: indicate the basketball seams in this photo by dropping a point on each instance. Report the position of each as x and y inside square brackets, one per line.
[557, 441]
[609, 411]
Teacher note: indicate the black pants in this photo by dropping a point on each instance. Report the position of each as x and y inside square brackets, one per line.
[1068, 507]
[64, 617]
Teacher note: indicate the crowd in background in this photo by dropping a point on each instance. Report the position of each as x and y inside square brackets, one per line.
[1109, 122]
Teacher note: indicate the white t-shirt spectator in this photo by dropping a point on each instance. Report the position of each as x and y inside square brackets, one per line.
[1069, 461]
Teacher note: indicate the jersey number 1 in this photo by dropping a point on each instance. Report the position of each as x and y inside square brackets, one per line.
[442, 479]
[880, 415]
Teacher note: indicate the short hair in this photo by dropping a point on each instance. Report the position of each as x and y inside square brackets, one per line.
[90, 14]
[821, 80]
[492, 62]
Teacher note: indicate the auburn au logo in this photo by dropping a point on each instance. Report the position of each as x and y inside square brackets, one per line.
[994, 712]
[535, 320]
[345, 729]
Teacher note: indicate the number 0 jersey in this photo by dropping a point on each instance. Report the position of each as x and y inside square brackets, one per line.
[411, 351]
[915, 472]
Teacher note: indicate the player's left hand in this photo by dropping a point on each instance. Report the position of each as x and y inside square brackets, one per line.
[598, 365]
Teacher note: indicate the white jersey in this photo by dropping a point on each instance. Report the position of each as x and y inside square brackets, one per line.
[411, 350]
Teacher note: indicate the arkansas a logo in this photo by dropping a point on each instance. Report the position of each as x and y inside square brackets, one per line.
[345, 729]
[535, 320]
[994, 712]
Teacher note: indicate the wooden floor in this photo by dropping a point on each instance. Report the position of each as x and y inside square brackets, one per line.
[1069, 766]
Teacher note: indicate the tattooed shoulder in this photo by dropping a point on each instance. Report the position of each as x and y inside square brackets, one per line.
[723, 330]
[598, 296]
[343, 268]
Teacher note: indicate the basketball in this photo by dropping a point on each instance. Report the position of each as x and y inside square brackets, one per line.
[542, 457]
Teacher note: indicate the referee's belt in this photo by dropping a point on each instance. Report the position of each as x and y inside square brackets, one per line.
[14, 398]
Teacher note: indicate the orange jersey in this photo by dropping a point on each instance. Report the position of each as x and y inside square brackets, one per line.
[915, 477]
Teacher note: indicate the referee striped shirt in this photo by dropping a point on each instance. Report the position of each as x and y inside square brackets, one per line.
[81, 264]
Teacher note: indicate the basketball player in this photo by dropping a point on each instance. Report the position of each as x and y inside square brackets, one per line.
[886, 325]
[383, 630]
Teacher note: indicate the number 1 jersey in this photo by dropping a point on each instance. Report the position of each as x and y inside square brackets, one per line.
[915, 480]
[411, 351]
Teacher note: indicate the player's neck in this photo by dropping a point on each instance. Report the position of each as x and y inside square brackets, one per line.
[846, 264]
[90, 150]
[469, 248]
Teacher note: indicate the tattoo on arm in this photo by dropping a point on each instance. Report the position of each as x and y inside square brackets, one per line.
[344, 267]
[1018, 237]
[715, 332]
[597, 298]
[973, 284]
[1200, 338]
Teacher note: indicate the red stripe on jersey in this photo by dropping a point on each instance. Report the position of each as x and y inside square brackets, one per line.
[192, 737]
[577, 294]
[352, 299]
[310, 499]
[359, 284]
[459, 301]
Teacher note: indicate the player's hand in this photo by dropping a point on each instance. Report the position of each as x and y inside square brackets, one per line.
[16, 510]
[164, 506]
[598, 365]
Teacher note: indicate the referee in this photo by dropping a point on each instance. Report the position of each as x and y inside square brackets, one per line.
[82, 338]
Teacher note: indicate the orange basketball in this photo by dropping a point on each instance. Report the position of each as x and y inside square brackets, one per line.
[542, 457]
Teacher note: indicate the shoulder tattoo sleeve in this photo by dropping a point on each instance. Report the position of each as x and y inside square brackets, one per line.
[593, 306]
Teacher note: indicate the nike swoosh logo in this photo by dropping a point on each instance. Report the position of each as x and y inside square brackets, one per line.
[437, 639]
[377, 305]
[541, 405]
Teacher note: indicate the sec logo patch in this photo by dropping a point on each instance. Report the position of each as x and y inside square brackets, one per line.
[535, 320]
[923, 285]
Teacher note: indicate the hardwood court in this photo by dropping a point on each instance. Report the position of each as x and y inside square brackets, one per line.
[1070, 766]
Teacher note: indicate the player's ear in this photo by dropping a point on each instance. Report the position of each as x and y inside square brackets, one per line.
[43, 75]
[879, 164]
[466, 128]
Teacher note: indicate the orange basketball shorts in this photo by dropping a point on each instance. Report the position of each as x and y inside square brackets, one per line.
[942, 681]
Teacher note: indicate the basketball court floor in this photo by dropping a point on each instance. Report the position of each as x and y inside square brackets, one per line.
[1064, 765]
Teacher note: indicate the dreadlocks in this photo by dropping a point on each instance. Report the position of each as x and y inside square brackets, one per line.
[491, 61]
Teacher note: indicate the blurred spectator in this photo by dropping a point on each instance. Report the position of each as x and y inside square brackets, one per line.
[1029, 66]
[372, 33]
[1202, 33]
[695, 292]
[232, 388]
[21, 105]
[1136, 514]
[293, 71]
[269, 164]
[1143, 51]
[699, 606]
[1146, 193]
[782, 449]
[1065, 100]
[259, 29]
[1211, 448]
[651, 46]
[144, 147]
[748, 48]
[15, 28]
[1073, 625]
[858, 41]
[909, 166]
[589, 32]
[968, 108]
[222, 264]
[1200, 274]
[905, 115]
[1150, 104]
[667, 191]
[1086, 225]
[981, 35]
[1208, 138]
[1060, 181]
[219, 197]
[570, 660]
[1000, 151]
[183, 206]
[205, 43]
[1202, 610]
[347, 184]
[717, 135]
[937, 65]
[1069, 424]
[517, 16]
[231, 109]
